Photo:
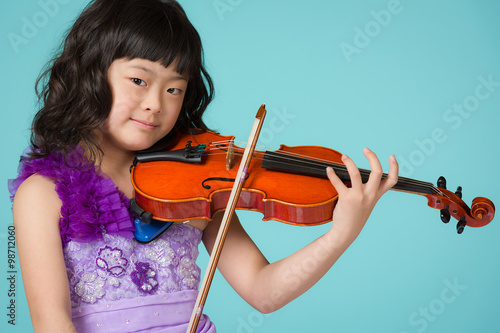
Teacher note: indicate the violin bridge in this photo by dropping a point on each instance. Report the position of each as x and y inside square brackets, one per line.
[230, 155]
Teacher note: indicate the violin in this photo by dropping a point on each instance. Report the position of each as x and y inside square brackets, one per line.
[197, 177]
[193, 180]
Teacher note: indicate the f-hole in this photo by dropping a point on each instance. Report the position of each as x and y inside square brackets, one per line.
[220, 179]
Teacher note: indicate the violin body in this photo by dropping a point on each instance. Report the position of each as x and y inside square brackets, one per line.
[282, 185]
[174, 191]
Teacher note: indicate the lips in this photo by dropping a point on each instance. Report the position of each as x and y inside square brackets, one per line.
[144, 123]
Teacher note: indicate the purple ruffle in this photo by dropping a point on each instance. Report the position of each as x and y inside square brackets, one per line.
[91, 203]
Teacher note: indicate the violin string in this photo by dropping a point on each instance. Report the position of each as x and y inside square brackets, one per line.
[313, 161]
[316, 162]
[322, 163]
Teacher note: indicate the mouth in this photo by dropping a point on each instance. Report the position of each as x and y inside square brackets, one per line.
[144, 124]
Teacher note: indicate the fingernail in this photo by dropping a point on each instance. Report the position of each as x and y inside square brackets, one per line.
[367, 150]
[344, 157]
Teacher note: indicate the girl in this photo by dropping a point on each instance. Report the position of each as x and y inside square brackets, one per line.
[129, 78]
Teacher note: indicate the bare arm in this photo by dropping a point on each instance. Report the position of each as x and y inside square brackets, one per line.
[268, 287]
[36, 219]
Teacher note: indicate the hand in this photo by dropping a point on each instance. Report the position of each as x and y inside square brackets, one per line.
[356, 203]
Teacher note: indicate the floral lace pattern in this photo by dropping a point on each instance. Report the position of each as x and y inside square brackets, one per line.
[145, 278]
[90, 287]
[111, 260]
[116, 267]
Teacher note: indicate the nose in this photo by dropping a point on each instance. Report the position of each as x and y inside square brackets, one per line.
[152, 102]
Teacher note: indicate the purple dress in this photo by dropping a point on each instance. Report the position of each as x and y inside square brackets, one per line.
[116, 283]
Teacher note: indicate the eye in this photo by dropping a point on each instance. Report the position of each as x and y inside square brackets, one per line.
[139, 82]
[174, 91]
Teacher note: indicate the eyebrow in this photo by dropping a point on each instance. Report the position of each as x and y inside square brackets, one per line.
[148, 70]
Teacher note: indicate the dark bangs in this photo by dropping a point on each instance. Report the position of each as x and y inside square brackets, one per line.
[156, 31]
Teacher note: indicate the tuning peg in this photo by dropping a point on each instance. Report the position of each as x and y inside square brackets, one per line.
[461, 224]
[441, 183]
[458, 192]
[445, 214]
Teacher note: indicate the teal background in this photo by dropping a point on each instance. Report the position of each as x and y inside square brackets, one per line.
[397, 88]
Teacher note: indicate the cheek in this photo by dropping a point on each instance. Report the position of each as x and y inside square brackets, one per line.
[121, 108]
[167, 123]
[172, 115]
[124, 101]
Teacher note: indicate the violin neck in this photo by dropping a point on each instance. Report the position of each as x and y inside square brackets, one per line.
[310, 167]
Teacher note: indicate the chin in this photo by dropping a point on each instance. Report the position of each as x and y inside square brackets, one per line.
[137, 146]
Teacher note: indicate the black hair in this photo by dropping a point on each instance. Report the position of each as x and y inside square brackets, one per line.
[76, 98]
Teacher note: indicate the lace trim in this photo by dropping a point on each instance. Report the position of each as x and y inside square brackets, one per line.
[92, 205]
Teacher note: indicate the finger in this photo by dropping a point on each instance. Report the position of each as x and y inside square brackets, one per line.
[376, 171]
[354, 174]
[337, 183]
[392, 176]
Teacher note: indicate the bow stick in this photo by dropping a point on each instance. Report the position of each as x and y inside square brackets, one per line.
[226, 220]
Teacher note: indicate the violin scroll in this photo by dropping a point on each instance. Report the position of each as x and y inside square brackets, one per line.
[450, 204]
[482, 210]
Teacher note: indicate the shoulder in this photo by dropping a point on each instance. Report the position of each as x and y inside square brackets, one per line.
[36, 220]
[35, 195]
[35, 185]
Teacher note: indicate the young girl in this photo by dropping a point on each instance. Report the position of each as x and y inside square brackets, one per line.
[131, 76]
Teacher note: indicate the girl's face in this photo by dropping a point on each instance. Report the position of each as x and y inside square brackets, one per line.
[147, 99]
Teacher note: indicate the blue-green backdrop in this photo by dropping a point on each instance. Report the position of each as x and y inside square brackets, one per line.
[419, 79]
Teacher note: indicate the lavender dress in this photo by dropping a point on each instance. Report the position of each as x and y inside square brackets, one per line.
[116, 283]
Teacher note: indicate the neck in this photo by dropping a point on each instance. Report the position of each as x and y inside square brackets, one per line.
[116, 165]
[300, 165]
